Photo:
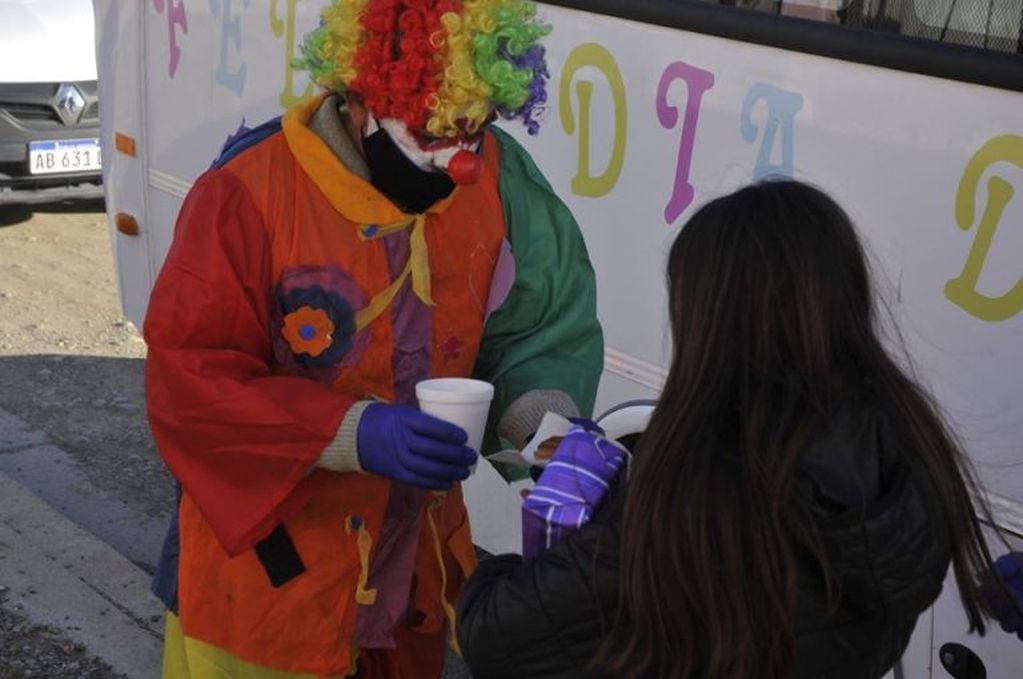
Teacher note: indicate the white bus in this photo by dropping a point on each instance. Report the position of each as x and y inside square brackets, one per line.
[909, 112]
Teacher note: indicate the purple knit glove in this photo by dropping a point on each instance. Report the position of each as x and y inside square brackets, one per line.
[570, 489]
[584, 423]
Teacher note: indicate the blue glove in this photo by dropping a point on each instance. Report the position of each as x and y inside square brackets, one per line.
[412, 447]
[1009, 568]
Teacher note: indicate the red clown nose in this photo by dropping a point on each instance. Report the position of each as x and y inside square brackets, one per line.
[465, 168]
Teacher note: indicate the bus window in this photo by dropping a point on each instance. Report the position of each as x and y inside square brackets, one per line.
[989, 24]
[992, 24]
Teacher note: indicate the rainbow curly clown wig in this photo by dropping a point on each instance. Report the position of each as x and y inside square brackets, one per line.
[444, 68]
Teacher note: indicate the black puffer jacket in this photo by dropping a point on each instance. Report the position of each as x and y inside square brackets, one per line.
[877, 513]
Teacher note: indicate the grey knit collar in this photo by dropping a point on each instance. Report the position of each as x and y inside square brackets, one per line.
[328, 125]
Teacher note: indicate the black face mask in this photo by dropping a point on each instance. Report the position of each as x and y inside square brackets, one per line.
[412, 189]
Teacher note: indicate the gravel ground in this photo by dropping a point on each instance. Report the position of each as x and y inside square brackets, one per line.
[71, 367]
[28, 650]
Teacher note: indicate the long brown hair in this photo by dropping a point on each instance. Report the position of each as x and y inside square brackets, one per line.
[773, 319]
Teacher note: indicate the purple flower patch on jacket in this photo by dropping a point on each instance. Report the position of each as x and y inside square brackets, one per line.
[314, 329]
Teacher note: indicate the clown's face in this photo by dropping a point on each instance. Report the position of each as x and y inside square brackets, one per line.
[456, 157]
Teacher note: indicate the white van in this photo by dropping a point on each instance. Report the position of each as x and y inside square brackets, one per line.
[49, 112]
[909, 112]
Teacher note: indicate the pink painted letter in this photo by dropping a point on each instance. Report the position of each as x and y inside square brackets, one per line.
[697, 81]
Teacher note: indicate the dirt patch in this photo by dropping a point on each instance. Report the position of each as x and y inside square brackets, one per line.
[71, 364]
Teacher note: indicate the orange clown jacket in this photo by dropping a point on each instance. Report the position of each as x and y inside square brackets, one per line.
[294, 289]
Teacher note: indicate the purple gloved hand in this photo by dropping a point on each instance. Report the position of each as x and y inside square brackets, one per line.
[570, 489]
[1009, 568]
[412, 447]
[586, 424]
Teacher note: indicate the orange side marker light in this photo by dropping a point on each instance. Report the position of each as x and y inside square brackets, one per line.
[124, 144]
[126, 224]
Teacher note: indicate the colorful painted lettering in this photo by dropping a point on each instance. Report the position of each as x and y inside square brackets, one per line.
[230, 32]
[698, 81]
[286, 28]
[585, 183]
[962, 291]
[782, 107]
[175, 17]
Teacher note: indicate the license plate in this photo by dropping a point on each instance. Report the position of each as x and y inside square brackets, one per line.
[64, 155]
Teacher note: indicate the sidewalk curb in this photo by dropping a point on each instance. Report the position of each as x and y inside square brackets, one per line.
[59, 479]
[63, 576]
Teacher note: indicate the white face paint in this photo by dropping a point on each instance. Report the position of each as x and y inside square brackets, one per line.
[425, 159]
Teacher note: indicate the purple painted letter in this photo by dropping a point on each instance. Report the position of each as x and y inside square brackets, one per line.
[697, 81]
[175, 17]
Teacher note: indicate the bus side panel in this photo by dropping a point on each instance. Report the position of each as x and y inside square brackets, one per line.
[120, 58]
[229, 69]
[636, 139]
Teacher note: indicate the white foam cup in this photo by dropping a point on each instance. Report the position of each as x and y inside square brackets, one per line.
[458, 400]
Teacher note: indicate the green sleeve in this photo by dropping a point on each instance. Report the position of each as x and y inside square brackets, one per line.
[546, 334]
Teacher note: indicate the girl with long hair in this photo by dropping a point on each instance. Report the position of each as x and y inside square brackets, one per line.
[793, 505]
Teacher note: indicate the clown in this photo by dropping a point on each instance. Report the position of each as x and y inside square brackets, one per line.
[377, 235]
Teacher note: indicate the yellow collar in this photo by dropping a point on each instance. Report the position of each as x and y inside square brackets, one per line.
[360, 202]
[351, 195]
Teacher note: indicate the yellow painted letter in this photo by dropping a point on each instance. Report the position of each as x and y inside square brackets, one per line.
[592, 54]
[286, 28]
[963, 290]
